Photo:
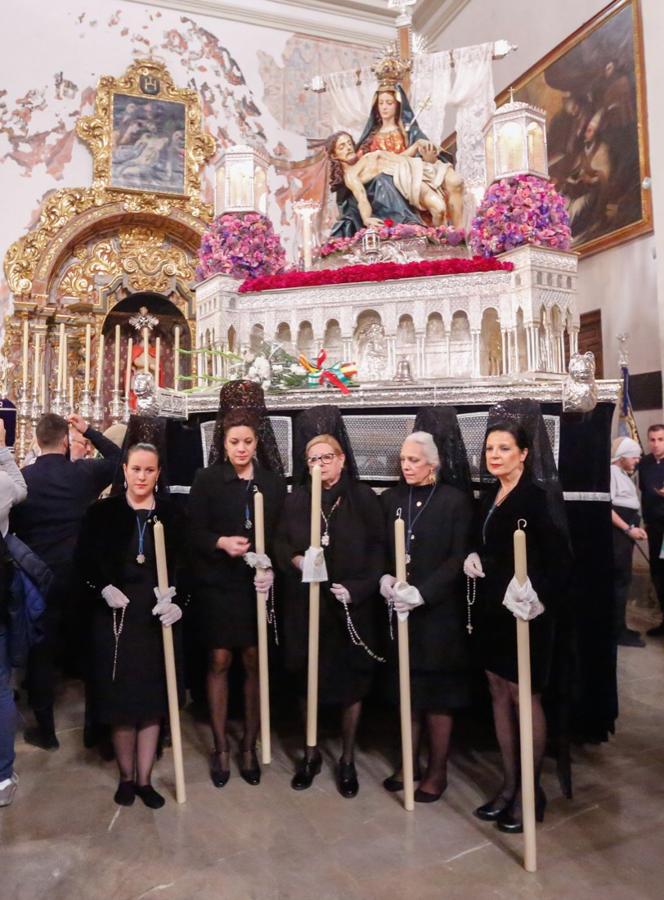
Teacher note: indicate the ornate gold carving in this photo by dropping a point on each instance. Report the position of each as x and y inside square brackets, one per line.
[146, 79]
[29, 260]
[144, 257]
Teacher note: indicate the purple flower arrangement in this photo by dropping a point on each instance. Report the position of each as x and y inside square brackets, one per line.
[524, 209]
[395, 231]
[242, 245]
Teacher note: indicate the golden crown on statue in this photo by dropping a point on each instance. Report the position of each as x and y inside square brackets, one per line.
[390, 71]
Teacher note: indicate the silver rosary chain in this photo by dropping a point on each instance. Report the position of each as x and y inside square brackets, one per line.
[117, 631]
[355, 637]
[470, 601]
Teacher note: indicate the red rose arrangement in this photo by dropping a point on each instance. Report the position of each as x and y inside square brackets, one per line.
[386, 271]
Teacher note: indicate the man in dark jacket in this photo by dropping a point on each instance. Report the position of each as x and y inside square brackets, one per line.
[651, 482]
[59, 493]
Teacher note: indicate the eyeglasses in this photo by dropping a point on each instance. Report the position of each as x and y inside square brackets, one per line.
[325, 458]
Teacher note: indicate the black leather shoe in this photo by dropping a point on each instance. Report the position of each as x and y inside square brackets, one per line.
[251, 774]
[395, 781]
[220, 770]
[38, 738]
[306, 771]
[124, 796]
[511, 822]
[421, 796]
[151, 798]
[490, 811]
[630, 638]
[657, 631]
[347, 782]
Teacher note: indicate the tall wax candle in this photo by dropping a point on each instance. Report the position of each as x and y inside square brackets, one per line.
[176, 358]
[36, 366]
[100, 365]
[146, 347]
[157, 355]
[116, 362]
[130, 347]
[61, 357]
[26, 338]
[88, 352]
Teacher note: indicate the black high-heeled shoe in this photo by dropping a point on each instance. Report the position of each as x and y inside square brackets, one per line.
[394, 782]
[307, 770]
[491, 810]
[347, 782]
[511, 822]
[220, 770]
[251, 773]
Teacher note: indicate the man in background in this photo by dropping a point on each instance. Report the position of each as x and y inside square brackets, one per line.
[651, 481]
[59, 492]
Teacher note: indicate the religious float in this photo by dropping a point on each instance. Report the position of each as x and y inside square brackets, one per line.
[438, 284]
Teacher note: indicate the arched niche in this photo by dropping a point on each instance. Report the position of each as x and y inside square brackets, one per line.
[305, 339]
[332, 340]
[461, 356]
[521, 343]
[491, 351]
[370, 346]
[434, 346]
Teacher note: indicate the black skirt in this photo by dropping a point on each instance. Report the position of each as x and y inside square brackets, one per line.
[138, 692]
[227, 618]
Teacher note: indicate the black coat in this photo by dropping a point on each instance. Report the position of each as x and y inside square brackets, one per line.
[106, 554]
[225, 596]
[494, 633]
[437, 636]
[355, 559]
[59, 493]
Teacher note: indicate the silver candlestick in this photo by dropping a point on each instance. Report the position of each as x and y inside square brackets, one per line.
[116, 408]
[97, 412]
[23, 416]
[59, 402]
[85, 404]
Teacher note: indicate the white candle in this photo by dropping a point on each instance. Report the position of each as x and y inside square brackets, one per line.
[26, 338]
[176, 358]
[43, 395]
[71, 393]
[61, 355]
[65, 363]
[306, 241]
[146, 346]
[116, 366]
[404, 674]
[35, 367]
[88, 351]
[314, 615]
[100, 365]
[130, 347]
[157, 354]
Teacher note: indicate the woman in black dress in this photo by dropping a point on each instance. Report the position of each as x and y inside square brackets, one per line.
[515, 496]
[116, 558]
[437, 518]
[222, 531]
[352, 541]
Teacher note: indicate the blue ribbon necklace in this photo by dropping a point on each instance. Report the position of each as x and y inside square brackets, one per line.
[140, 556]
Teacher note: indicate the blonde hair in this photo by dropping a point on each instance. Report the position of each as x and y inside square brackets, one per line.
[323, 439]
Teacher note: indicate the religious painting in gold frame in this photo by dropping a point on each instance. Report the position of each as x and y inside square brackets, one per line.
[146, 134]
[592, 88]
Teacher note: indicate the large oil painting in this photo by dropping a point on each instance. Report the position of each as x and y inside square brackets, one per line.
[148, 144]
[592, 89]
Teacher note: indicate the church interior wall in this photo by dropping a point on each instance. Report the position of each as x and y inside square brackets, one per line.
[625, 282]
[250, 79]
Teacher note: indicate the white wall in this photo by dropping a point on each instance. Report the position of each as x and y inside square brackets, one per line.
[626, 281]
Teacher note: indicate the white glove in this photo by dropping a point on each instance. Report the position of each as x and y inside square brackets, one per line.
[406, 598]
[340, 592]
[472, 566]
[522, 600]
[387, 583]
[169, 613]
[264, 580]
[114, 597]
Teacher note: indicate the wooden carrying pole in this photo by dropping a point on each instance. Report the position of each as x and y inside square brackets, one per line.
[261, 616]
[525, 713]
[314, 617]
[404, 676]
[169, 659]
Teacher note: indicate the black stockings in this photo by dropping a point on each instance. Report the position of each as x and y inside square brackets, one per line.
[438, 732]
[505, 700]
[217, 690]
[135, 749]
[350, 719]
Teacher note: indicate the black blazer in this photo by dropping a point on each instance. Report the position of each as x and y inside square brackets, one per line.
[59, 493]
[217, 506]
[438, 640]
